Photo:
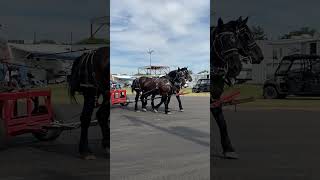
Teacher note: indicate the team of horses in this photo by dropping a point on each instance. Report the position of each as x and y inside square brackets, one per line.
[164, 86]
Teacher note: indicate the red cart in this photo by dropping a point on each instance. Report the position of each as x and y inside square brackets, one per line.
[119, 96]
[27, 112]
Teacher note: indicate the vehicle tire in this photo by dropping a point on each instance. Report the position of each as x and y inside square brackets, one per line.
[3, 135]
[270, 92]
[48, 134]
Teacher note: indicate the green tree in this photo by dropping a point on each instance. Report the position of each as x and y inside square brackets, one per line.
[204, 71]
[47, 41]
[304, 30]
[259, 33]
[94, 41]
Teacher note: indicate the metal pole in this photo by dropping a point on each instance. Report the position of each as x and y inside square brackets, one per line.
[150, 64]
[150, 52]
[91, 30]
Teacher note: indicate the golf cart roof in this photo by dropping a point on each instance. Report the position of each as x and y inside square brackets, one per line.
[301, 56]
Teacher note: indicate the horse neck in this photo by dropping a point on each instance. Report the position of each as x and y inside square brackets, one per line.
[172, 76]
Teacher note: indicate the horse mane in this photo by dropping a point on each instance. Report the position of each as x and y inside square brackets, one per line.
[74, 80]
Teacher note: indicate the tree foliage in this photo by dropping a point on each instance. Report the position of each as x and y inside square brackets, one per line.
[304, 30]
[258, 33]
[94, 41]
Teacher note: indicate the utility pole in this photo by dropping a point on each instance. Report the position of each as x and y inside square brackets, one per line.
[71, 39]
[150, 52]
[34, 38]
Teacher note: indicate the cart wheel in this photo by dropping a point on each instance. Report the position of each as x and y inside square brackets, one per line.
[47, 134]
[270, 92]
[3, 135]
[126, 103]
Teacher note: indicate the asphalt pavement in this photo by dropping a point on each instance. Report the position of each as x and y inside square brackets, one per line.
[156, 146]
[272, 144]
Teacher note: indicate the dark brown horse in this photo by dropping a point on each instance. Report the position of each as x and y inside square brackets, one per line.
[229, 41]
[90, 76]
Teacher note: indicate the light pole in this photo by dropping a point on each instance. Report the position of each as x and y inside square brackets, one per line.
[150, 52]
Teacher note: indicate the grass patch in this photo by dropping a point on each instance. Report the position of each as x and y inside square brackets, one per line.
[60, 96]
[186, 90]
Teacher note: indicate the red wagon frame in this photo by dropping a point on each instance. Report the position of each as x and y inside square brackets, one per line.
[30, 122]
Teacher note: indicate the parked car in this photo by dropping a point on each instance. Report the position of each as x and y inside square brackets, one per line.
[115, 85]
[202, 85]
[297, 74]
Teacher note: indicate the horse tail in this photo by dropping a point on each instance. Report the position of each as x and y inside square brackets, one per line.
[73, 81]
[133, 85]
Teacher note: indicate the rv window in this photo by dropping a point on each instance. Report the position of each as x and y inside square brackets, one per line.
[316, 67]
[313, 48]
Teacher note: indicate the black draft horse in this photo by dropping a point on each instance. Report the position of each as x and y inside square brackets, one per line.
[228, 42]
[178, 79]
[179, 85]
[164, 86]
[90, 76]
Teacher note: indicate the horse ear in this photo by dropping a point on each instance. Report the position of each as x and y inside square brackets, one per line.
[240, 19]
[220, 22]
[245, 20]
[178, 69]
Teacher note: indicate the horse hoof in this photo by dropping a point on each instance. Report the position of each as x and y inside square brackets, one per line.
[154, 110]
[230, 155]
[88, 156]
[181, 110]
[168, 113]
[144, 110]
[137, 111]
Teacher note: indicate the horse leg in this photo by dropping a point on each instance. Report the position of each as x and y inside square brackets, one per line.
[166, 104]
[143, 101]
[169, 98]
[103, 116]
[85, 118]
[163, 99]
[136, 101]
[180, 104]
[152, 102]
[228, 150]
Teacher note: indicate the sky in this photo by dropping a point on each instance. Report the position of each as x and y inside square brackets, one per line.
[275, 16]
[177, 31]
[50, 19]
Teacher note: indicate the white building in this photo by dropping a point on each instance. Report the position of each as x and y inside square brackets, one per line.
[274, 51]
[196, 77]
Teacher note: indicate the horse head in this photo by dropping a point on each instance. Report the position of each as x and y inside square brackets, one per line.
[225, 45]
[186, 73]
[249, 47]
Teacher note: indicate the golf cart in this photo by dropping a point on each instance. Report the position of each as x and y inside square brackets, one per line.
[203, 85]
[297, 74]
